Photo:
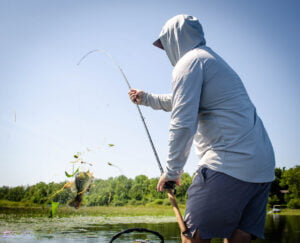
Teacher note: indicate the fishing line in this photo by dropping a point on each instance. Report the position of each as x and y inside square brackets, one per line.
[137, 106]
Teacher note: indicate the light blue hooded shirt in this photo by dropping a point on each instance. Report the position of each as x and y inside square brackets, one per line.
[210, 106]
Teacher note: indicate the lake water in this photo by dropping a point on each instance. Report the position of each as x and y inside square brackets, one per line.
[281, 229]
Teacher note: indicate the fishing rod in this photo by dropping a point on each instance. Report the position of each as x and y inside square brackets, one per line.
[137, 106]
[169, 185]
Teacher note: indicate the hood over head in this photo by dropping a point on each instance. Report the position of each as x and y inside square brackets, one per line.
[179, 35]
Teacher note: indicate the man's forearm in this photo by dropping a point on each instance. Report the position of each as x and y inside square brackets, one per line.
[157, 101]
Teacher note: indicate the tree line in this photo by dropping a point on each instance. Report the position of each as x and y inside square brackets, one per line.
[285, 189]
[120, 191]
[114, 191]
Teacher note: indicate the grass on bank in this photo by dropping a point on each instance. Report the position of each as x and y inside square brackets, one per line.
[288, 211]
[27, 209]
[35, 210]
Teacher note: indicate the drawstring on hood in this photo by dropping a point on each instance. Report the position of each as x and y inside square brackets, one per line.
[179, 35]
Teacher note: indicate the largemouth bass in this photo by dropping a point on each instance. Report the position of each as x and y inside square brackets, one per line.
[83, 183]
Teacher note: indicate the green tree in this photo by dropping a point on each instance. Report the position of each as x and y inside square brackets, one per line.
[16, 194]
[4, 192]
[122, 186]
[37, 193]
[181, 191]
[153, 194]
[100, 193]
[276, 196]
[291, 179]
[140, 188]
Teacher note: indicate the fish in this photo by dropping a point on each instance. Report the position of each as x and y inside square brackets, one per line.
[83, 183]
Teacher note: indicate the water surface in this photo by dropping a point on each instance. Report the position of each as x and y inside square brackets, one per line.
[281, 229]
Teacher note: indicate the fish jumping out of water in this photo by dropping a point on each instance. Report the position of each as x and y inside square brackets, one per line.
[83, 183]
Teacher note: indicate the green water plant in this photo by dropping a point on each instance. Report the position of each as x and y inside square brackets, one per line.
[53, 210]
[73, 174]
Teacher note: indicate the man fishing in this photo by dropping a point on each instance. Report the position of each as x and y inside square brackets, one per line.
[210, 106]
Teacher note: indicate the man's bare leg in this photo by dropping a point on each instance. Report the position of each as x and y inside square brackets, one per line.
[239, 236]
[196, 239]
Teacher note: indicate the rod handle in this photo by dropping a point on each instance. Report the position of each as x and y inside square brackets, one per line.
[182, 226]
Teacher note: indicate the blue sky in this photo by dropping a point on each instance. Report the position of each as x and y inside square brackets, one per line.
[51, 109]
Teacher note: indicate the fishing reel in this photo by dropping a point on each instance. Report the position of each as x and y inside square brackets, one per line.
[170, 185]
[116, 236]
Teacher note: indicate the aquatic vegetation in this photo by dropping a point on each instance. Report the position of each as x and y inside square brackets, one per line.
[74, 229]
[71, 175]
[53, 210]
[87, 163]
[67, 185]
[111, 164]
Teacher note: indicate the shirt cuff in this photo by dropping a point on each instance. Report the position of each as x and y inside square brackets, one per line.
[144, 100]
[173, 175]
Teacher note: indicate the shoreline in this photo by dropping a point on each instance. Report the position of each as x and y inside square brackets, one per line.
[95, 211]
[155, 211]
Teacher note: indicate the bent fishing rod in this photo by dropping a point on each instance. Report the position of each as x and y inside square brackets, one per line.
[169, 185]
[137, 106]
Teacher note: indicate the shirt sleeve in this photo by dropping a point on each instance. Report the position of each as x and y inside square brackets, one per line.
[157, 101]
[186, 92]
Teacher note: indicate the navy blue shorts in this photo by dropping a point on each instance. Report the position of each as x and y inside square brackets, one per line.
[218, 204]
